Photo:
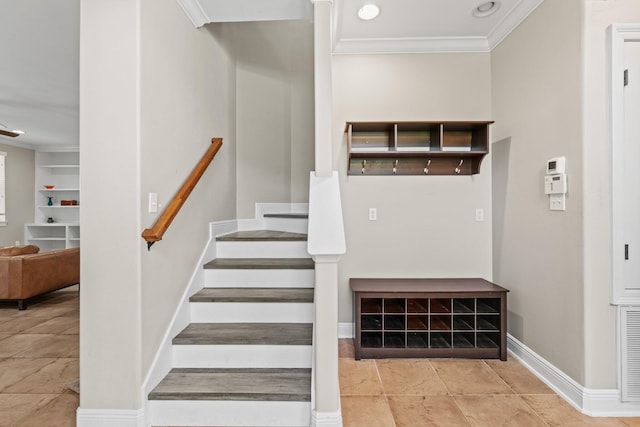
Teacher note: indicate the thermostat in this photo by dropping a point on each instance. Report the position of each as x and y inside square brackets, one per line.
[556, 165]
[555, 184]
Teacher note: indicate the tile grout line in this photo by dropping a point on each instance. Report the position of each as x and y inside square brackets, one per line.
[515, 392]
[453, 398]
[384, 392]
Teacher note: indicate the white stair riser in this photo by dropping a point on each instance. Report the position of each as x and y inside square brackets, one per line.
[229, 413]
[242, 356]
[248, 312]
[292, 225]
[262, 250]
[250, 278]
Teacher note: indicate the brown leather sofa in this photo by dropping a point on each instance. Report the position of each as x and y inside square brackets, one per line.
[25, 275]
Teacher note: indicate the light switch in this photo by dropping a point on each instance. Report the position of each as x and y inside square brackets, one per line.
[479, 214]
[153, 202]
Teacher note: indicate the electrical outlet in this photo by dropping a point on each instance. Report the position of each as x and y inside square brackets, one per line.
[373, 214]
[557, 202]
[479, 214]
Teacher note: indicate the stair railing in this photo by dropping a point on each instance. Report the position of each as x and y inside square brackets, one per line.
[155, 233]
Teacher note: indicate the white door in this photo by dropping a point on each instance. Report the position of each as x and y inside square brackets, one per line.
[631, 201]
[625, 117]
[625, 153]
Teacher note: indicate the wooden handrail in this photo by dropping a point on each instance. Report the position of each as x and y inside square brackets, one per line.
[155, 233]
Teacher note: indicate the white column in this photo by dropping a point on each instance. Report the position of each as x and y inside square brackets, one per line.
[326, 243]
[110, 313]
[326, 333]
[322, 86]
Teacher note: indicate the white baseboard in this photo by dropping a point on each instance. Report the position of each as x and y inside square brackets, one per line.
[345, 330]
[110, 418]
[326, 419]
[592, 402]
[561, 383]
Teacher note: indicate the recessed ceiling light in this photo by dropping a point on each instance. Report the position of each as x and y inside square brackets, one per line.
[368, 12]
[486, 9]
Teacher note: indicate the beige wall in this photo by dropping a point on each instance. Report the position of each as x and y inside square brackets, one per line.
[19, 192]
[426, 225]
[600, 317]
[274, 87]
[154, 90]
[538, 254]
[187, 97]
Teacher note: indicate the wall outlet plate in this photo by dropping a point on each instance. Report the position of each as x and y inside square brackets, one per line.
[557, 202]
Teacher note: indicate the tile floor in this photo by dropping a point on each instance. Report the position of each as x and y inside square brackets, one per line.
[39, 373]
[451, 392]
[39, 361]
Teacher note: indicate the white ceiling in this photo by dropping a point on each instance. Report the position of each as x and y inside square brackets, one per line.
[39, 44]
[425, 25]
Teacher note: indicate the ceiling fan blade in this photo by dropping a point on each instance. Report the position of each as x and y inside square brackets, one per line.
[9, 133]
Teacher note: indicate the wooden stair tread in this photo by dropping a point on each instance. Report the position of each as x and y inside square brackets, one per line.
[287, 215]
[246, 384]
[245, 334]
[299, 295]
[262, 236]
[261, 263]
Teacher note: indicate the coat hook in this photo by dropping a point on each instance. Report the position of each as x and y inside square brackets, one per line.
[458, 170]
[364, 163]
[426, 169]
[395, 167]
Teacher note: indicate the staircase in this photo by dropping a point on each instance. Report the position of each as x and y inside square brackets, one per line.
[245, 358]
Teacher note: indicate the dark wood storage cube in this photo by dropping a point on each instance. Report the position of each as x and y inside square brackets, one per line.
[429, 318]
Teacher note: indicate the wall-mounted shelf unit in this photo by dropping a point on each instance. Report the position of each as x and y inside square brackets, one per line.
[60, 169]
[416, 148]
[429, 318]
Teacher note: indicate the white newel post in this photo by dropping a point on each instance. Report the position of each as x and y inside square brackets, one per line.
[327, 393]
[326, 243]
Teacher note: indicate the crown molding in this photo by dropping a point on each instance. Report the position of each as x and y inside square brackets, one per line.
[412, 45]
[511, 21]
[194, 12]
[201, 12]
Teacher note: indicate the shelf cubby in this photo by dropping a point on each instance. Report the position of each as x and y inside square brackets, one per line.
[394, 305]
[394, 340]
[417, 305]
[372, 305]
[417, 339]
[464, 323]
[417, 323]
[371, 322]
[429, 318]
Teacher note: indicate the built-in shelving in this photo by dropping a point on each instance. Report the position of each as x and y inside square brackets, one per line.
[60, 169]
[429, 318]
[416, 148]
